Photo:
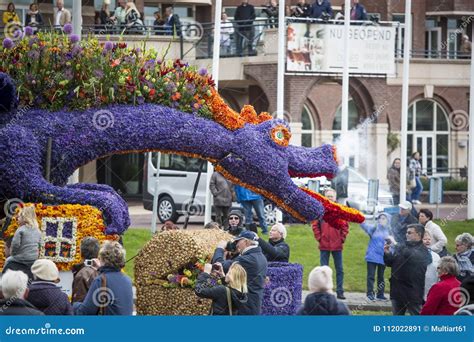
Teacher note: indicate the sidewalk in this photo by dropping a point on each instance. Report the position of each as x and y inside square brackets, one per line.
[357, 301]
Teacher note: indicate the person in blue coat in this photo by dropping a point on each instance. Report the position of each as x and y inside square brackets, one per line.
[321, 7]
[111, 291]
[249, 200]
[255, 264]
[378, 232]
[358, 11]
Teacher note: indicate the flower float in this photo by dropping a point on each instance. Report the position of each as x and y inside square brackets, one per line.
[93, 100]
[62, 229]
[166, 270]
[283, 290]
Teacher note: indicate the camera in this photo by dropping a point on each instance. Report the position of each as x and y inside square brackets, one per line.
[88, 263]
[231, 246]
[215, 267]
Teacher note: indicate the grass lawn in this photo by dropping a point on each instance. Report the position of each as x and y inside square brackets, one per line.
[304, 250]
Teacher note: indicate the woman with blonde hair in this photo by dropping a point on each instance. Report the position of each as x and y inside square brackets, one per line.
[229, 298]
[133, 21]
[24, 248]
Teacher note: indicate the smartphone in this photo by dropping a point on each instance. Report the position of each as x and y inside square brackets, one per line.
[208, 268]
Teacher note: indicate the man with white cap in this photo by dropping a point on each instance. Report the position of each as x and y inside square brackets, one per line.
[276, 249]
[14, 288]
[401, 221]
[255, 264]
[45, 294]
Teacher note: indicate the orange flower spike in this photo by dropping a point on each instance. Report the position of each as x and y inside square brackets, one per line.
[264, 116]
[249, 115]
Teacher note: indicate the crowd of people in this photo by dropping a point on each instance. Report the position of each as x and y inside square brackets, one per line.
[424, 278]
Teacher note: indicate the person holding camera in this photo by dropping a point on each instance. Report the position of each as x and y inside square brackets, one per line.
[235, 226]
[409, 262]
[378, 233]
[229, 297]
[301, 10]
[276, 249]
[85, 272]
[10, 16]
[255, 264]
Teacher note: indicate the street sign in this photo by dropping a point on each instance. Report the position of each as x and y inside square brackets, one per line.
[436, 190]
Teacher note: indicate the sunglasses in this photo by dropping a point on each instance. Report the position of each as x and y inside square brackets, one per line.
[233, 218]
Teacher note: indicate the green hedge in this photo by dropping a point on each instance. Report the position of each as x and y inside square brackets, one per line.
[448, 184]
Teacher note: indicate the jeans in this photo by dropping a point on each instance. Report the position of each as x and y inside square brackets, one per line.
[399, 308]
[259, 209]
[416, 192]
[373, 268]
[337, 256]
[244, 36]
[222, 216]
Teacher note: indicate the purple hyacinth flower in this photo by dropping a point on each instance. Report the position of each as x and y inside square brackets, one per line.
[29, 31]
[67, 28]
[108, 46]
[74, 38]
[203, 72]
[8, 43]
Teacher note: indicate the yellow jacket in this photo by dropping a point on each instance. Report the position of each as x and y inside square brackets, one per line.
[10, 17]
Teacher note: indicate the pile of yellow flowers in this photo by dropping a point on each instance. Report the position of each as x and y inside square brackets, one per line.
[89, 223]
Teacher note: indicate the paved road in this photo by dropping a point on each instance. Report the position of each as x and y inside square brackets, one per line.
[141, 218]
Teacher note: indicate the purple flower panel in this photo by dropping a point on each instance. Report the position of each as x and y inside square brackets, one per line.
[52, 229]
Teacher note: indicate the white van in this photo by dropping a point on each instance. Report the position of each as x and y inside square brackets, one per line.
[175, 187]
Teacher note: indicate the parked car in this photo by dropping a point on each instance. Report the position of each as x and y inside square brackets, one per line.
[177, 179]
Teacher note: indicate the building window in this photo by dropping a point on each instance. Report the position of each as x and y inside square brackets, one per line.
[353, 119]
[428, 133]
[432, 38]
[307, 131]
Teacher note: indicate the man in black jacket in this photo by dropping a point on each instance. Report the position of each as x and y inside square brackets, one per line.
[408, 262]
[255, 264]
[276, 249]
[401, 221]
[244, 17]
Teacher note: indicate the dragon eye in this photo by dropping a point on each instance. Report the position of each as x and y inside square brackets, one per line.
[281, 135]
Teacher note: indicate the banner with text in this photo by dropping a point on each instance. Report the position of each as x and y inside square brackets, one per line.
[319, 48]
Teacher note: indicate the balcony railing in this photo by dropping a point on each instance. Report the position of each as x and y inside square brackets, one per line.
[238, 39]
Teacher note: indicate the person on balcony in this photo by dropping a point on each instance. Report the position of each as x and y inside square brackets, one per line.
[466, 47]
[227, 32]
[244, 18]
[120, 14]
[158, 24]
[62, 16]
[133, 20]
[321, 9]
[10, 16]
[271, 10]
[301, 10]
[358, 11]
[172, 23]
[34, 18]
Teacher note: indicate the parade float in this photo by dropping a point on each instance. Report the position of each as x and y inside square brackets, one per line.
[65, 102]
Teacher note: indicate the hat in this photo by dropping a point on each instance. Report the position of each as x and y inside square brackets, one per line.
[247, 234]
[45, 269]
[406, 205]
[320, 279]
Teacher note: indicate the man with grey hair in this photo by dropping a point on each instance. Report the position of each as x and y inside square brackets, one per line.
[276, 249]
[255, 264]
[14, 287]
[85, 272]
[464, 255]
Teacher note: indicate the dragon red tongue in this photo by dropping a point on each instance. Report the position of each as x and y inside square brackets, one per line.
[336, 214]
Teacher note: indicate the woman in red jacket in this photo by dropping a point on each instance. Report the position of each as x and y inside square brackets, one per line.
[443, 296]
[331, 241]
